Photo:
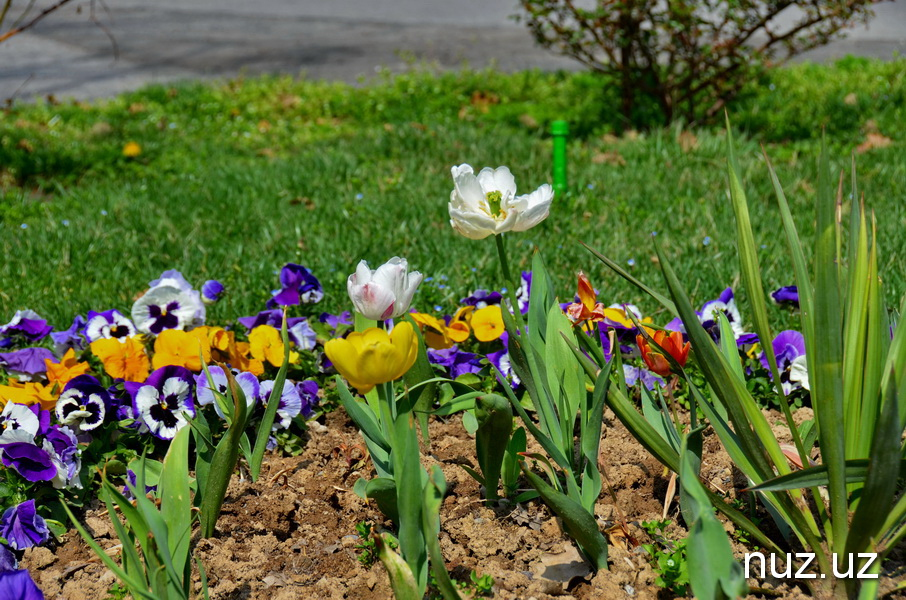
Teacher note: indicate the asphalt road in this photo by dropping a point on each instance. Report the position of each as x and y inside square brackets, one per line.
[69, 55]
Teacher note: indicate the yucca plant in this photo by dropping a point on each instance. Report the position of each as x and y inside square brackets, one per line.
[856, 360]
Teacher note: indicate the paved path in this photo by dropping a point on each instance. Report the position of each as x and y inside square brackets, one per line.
[164, 40]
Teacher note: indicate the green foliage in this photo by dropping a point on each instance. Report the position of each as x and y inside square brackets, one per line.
[668, 558]
[857, 372]
[204, 156]
[366, 547]
[690, 56]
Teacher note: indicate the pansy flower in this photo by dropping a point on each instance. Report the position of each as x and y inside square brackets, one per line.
[18, 423]
[72, 338]
[182, 348]
[23, 527]
[61, 445]
[501, 360]
[27, 363]
[789, 349]
[266, 345]
[726, 304]
[634, 375]
[290, 402]
[455, 361]
[126, 360]
[246, 381]
[301, 334]
[29, 392]
[166, 307]
[83, 404]
[433, 329]
[211, 291]
[524, 291]
[25, 325]
[31, 462]
[20, 585]
[308, 391]
[272, 317]
[334, 321]
[297, 285]
[786, 295]
[481, 298]
[8, 561]
[164, 402]
[68, 368]
[487, 323]
[110, 324]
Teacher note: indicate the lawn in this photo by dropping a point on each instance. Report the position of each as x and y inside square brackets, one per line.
[236, 178]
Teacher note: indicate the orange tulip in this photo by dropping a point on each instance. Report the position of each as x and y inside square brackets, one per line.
[671, 342]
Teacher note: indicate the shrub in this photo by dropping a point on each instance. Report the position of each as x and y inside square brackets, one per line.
[690, 56]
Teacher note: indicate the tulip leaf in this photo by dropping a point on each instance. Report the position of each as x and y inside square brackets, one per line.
[578, 522]
[495, 423]
[175, 501]
[270, 413]
[435, 489]
[383, 491]
[402, 581]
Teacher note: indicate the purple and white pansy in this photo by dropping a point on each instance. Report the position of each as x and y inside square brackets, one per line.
[61, 446]
[290, 405]
[108, 324]
[205, 391]
[18, 423]
[74, 337]
[212, 291]
[789, 348]
[26, 325]
[83, 403]
[170, 303]
[298, 285]
[164, 403]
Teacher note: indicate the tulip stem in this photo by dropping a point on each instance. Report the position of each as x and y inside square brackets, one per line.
[504, 263]
[509, 282]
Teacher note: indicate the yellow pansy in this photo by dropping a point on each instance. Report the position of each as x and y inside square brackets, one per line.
[126, 359]
[458, 328]
[182, 348]
[487, 323]
[67, 369]
[266, 345]
[373, 356]
[434, 330]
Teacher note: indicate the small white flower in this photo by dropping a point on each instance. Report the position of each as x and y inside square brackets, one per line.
[384, 293]
[487, 204]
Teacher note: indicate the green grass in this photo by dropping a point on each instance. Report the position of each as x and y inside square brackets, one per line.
[237, 178]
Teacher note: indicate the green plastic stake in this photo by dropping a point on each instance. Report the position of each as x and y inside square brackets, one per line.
[560, 131]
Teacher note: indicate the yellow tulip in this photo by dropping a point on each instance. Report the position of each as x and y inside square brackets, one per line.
[371, 357]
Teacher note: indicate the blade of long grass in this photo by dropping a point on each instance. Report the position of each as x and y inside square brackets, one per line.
[855, 341]
[881, 479]
[661, 299]
[751, 277]
[825, 366]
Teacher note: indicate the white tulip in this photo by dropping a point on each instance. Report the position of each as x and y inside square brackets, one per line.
[384, 293]
[487, 204]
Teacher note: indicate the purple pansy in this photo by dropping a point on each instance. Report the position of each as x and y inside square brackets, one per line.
[297, 285]
[32, 463]
[61, 445]
[246, 381]
[726, 304]
[8, 560]
[83, 403]
[481, 298]
[787, 295]
[455, 361]
[23, 527]
[133, 482]
[272, 317]
[290, 403]
[301, 334]
[25, 325]
[334, 321]
[26, 363]
[18, 585]
[211, 291]
[108, 324]
[308, 393]
[74, 337]
[163, 403]
[789, 349]
[634, 375]
[18, 423]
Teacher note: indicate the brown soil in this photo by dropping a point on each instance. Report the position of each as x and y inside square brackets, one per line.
[292, 534]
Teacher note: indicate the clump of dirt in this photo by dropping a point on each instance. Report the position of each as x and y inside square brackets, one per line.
[292, 534]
